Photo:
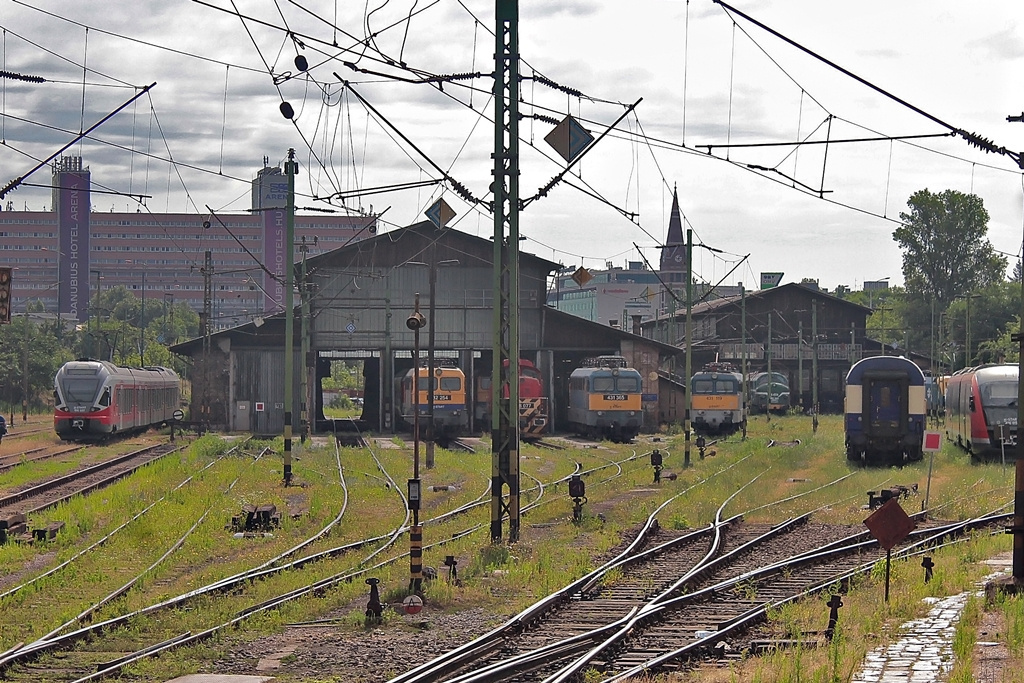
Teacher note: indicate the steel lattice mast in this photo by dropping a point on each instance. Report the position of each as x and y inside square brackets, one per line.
[505, 361]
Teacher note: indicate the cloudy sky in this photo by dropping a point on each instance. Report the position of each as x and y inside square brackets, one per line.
[721, 100]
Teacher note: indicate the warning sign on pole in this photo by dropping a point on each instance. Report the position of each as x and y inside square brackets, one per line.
[412, 604]
[932, 442]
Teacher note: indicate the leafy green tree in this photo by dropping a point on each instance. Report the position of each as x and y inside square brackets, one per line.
[24, 341]
[887, 322]
[985, 315]
[1001, 349]
[945, 250]
[344, 375]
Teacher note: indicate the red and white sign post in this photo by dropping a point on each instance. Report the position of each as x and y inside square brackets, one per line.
[932, 443]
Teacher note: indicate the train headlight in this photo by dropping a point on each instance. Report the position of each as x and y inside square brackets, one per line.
[600, 413]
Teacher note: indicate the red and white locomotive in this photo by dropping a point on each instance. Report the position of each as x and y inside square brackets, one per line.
[96, 399]
[981, 409]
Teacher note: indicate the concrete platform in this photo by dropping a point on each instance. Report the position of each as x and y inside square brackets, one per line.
[221, 678]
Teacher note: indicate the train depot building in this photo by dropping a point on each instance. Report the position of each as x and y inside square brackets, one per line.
[810, 336]
[357, 300]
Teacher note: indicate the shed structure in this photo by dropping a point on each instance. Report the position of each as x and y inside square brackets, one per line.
[788, 326]
[357, 299]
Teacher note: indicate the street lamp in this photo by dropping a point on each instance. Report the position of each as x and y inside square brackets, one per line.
[142, 318]
[60, 287]
[93, 308]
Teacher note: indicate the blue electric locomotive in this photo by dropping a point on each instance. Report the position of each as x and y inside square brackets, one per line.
[605, 399]
[885, 411]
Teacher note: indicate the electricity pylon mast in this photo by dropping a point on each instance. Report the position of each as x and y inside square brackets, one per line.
[505, 361]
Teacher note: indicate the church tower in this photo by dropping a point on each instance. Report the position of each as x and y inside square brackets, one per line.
[673, 266]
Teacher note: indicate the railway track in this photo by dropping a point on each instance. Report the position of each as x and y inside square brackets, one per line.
[88, 662]
[34, 455]
[59, 489]
[12, 434]
[659, 608]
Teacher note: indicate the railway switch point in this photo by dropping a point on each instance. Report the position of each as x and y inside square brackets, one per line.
[897, 492]
[374, 610]
[453, 573]
[834, 603]
[256, 518]
[928, 564]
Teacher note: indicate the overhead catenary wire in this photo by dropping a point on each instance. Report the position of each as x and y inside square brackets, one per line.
[629, 135]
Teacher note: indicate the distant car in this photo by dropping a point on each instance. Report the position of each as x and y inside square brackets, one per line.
[357, 401]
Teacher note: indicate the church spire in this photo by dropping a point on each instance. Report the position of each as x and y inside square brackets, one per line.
[673, 254]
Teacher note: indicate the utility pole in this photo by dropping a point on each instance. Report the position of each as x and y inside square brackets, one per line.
[743, 345]
[204, 409]
[431, 388]
[800, 364]
[306, 360]
[505, 357]
[814, 365]
[689, 346]
[290, 168]
[1018, 484]
[142, 324]
[388, 363]
[768, 413]
[24, 373]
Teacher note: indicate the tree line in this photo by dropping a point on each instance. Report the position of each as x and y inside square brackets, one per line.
[958, 301]
[34, 345]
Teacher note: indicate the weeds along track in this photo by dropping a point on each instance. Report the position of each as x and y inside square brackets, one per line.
[107, 537]
[34, 455]
[639, 617]
[673, 634]
[59, 489]
[669, 597]
[67, 657]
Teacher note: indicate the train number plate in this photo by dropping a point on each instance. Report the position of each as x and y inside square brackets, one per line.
[615, 397]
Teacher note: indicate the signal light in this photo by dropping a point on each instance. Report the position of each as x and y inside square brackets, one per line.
[415, 321]
[5, 295]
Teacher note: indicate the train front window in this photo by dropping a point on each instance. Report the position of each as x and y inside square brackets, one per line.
[703, 386]
[604, 383]
[628, 384]
[999, 394]
[81, 390]
[451, 384]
